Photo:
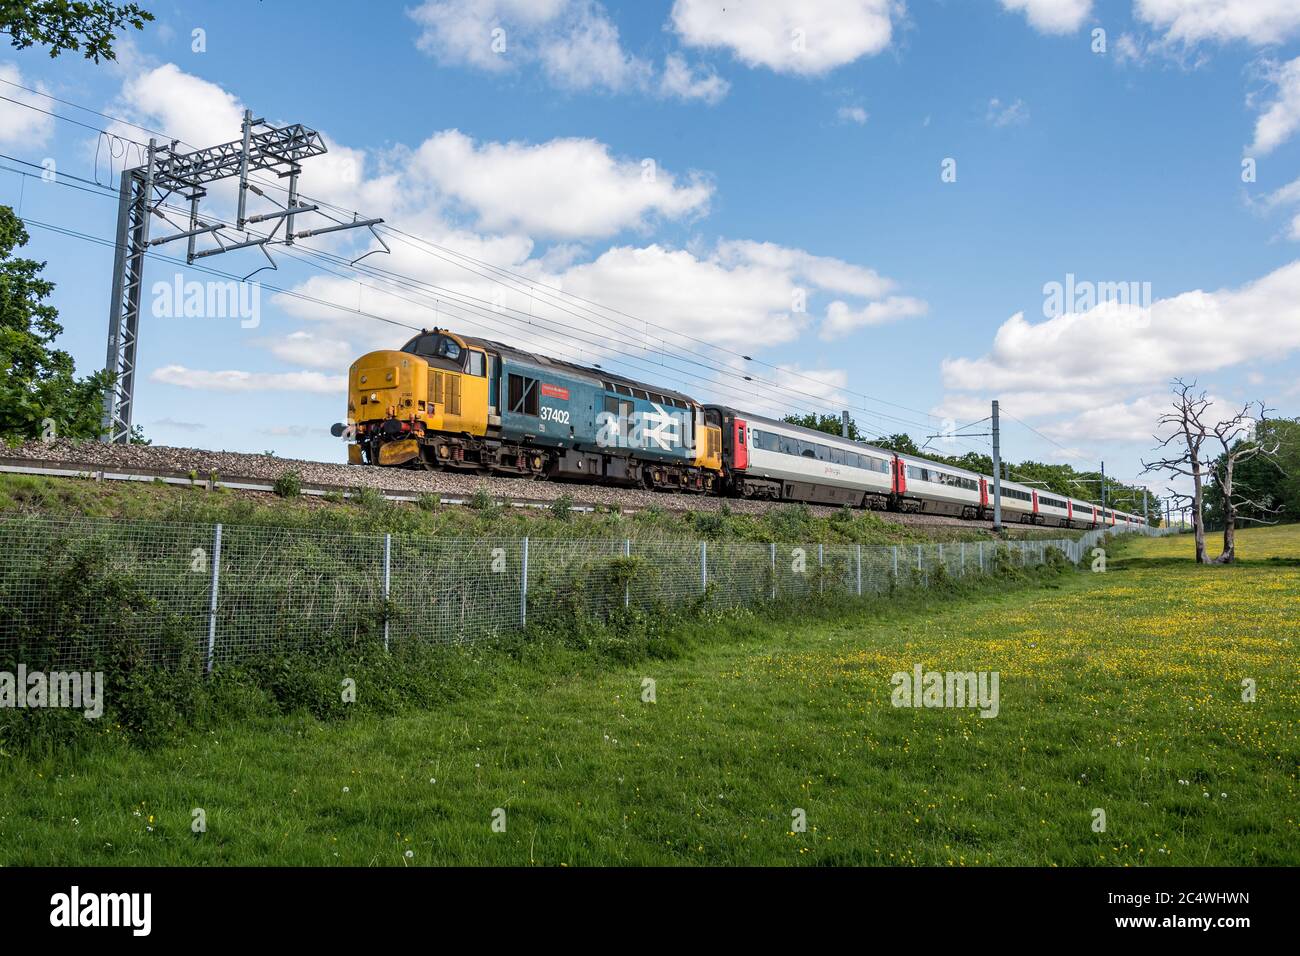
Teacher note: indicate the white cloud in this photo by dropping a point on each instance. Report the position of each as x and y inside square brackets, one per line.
[309, 349]
[232, 380]
[1260, 22]
[573, 42]
[1282, 118]
[182, 105]
[1054, 363]
[566, 187]
[180, 426]
[20, 126]
[852, 114]
[841, 319]
[682, 81]
[823, 272]
[589, 55]
[1052, 16]
[1000, 114]
[807, 38]
[1288, 195]
[462, 31]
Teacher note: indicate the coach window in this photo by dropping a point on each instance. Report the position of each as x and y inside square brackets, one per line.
[837, 456]
[807, 449]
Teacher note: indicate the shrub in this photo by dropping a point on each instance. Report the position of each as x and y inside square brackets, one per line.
[562, 507]
[372, 499]
[288, 484]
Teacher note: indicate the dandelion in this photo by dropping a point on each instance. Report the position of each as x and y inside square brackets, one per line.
[347, 789]
[409, 854]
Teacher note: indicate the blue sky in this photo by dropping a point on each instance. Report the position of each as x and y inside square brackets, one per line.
[797, 152]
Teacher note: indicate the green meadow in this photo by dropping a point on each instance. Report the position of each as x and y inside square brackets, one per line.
[771, 739]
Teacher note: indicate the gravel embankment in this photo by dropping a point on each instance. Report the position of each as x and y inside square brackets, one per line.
[232, 466]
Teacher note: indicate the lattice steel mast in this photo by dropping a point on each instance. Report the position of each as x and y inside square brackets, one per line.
[141, 195]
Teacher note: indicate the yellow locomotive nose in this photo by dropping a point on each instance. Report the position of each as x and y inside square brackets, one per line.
[378, 381]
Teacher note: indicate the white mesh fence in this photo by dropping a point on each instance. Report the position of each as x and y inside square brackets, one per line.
[78, 590]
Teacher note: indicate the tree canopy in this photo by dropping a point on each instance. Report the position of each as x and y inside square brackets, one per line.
[88, 26]
[1272, 484]
[37, 381]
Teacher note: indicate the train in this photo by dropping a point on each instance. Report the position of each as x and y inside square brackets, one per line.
[455, 402]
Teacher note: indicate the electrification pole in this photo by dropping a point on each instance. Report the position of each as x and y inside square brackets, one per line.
[1103, 486]
[844, 423]
[143, 193]
[997, 470]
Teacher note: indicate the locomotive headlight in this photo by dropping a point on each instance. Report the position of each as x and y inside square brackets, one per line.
[374, 397]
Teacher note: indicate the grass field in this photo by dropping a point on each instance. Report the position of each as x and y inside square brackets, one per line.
[1253, 544]
[1119, 691]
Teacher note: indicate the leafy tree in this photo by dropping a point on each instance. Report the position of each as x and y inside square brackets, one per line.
[90, 26]
[901, 443]
[37, 382]
[1271, 483]
[830, 424]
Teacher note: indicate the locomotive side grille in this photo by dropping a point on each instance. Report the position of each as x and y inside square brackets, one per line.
[713, 442]
[451, 394]
[444, 389]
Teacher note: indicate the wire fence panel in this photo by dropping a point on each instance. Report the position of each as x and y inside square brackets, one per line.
[668, 574]
[574, 577]
[75, 591]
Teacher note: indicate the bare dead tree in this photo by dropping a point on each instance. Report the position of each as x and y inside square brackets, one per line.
[1241, 439]
[1185, 434]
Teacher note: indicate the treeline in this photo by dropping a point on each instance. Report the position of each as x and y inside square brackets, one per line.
[1266, 487]
[1062, 480]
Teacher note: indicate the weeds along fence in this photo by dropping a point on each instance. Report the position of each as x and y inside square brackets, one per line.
[76, 591]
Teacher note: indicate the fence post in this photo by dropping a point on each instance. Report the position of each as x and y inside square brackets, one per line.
[523, 587]
[388, 558]
[963, 559]
[627, 584]
[920, 564]
[895, 564]
[212, 604]
[773, 547]
[980, 549]
[821, 566]
[704, 567]
[859, 570]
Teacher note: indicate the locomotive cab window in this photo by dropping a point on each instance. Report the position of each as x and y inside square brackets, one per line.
[433, 345]
[475, 364]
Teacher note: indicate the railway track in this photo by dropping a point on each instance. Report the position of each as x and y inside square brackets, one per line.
[240, 471]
